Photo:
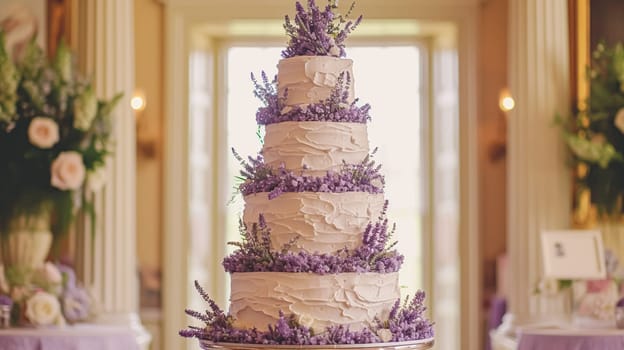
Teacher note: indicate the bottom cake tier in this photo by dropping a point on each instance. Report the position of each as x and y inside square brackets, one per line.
[317, 301]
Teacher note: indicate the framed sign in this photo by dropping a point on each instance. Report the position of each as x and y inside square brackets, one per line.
[573, 254]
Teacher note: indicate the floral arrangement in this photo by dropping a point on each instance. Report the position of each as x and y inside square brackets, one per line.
[335, 108]
[51, 297]
[596, 135]
[257, 177]
[254, 253]
[406, 322]
[317, 32]
[54, 137]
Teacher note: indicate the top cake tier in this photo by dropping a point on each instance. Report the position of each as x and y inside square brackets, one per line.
[310, 79]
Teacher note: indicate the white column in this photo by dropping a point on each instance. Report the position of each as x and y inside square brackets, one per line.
[539, 191]
[106, 45]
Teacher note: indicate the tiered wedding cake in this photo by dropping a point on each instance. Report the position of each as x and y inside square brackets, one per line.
[315, 265]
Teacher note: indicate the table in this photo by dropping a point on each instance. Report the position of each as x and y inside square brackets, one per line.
[78, 337]
[570, 338]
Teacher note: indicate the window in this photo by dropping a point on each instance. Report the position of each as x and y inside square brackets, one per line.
[393, 89]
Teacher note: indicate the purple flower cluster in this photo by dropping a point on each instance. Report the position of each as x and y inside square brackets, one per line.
[254, 253]
[257, 177]
[408, 322]
[287, 331]
[317, 32]
[5, 300]
[76, 301]
[334, 108]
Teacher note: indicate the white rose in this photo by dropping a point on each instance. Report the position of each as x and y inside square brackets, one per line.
[43, 132]
[50, 273]
[68, 171]
[619, 120]
[96, 179]
[384, 334]
[4, 284]
[43, 309]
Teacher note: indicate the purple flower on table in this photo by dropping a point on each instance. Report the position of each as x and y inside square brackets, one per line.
[5, 300]
[77, 304]
[69, 276]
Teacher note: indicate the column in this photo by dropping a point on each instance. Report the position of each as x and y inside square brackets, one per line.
[538, 181]
[106, 49]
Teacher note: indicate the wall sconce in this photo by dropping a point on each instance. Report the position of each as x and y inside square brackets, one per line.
[497, 150]
[505, 101]
[145, 143]
[138, 101]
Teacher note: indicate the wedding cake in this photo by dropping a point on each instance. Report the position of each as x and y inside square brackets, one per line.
[315, 264]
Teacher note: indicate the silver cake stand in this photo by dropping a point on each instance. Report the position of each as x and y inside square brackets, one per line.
[408, 345]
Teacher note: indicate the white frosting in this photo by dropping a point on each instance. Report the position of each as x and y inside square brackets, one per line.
[318, 301]
[311, 79]
[322, 222]
[320, 146]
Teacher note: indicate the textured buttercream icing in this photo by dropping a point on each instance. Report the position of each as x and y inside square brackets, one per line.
[321, 222]
[317, 301]
[311, 79]
[316, 146]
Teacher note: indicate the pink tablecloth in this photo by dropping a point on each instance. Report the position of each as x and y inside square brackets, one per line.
[570, 339]
[79, 337]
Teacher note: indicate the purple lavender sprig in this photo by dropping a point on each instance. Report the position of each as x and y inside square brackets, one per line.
[5, 300]
[257, 177]
[254, 253]
[335, 108]
[217, 321]
[407, 322]
[316, 32]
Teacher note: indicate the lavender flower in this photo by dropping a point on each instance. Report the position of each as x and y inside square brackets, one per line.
[76, 304]
[335, 108]
[5, 300]
[407, 322]
[317, 32]
[257, 177]
[69, 276]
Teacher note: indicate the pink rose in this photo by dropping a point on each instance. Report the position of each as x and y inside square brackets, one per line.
[68, 171]
[43, 132]
[50, 273]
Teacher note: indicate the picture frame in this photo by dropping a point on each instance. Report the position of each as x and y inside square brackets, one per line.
[573, 254]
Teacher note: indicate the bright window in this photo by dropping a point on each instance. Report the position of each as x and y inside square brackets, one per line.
[389, 79]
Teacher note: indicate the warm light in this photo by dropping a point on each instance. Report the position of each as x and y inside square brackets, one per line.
[137, 102]
[505, 102]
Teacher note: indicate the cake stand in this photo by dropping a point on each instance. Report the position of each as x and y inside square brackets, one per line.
[407, 345]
